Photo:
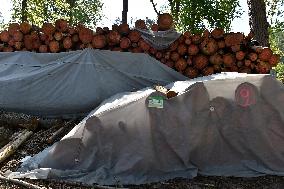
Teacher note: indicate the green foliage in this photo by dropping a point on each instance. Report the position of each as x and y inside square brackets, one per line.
[276, 37]
[275, 13]
[280, 71]
[87, 12]
[196, 15]
[277, 45]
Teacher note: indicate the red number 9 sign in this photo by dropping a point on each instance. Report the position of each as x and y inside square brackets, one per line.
[246, 94]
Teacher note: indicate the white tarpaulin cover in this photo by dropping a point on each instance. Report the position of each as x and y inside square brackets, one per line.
[222, 125]
[74, 83]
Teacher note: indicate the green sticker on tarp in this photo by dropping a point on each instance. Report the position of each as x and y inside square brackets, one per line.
[156, 102]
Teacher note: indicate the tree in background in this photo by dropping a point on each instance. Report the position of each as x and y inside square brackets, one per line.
[1, 21]
[267, 22]
[24, 7]
[258, 21]
[197, 15]
[275, 15]
[88, 12]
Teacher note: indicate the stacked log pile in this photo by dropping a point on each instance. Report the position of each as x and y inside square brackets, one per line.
[192, 54]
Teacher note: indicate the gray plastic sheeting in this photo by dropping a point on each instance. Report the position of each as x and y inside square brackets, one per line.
[160, 39]
[227, 125]
[74, 83]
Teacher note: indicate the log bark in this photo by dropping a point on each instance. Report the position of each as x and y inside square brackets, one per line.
[221, 44]
[192, 50]
[217, 33]
[24, 10]
[61, 25]
[125, 43]
[216, 59]
[258, 21]
[196, 39]
[240, 55]
[165, 91]
[4, 36]
[140, 24]
[99, 41]
[252, 56]
[67, 43]
[43, 49]
[232, 39]
[218, 51]
[181, 64]
[229, 60]
[182, 49]
[48, 29]
[209, 47]
[159, 55]
[63, 127]
[165, 21]
[191, 72]
[86, 35]
[208, 71]
[56, 135]
[12, 146]
[123, 29]
[175, 56]
[54, 46]
[265, 54]
[200, 61]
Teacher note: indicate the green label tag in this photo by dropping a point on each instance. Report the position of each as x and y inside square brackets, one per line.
[156, 102]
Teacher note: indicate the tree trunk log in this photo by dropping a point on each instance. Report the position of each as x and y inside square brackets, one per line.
[12, 146]
[24, 10]
[258, 21]
[56, 135]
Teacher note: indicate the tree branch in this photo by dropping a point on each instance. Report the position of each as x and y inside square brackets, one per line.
[20, 182]
[12, 146]
[154, 6]
[171, 5]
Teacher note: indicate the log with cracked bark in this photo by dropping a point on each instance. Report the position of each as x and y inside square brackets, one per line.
[12, 146]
